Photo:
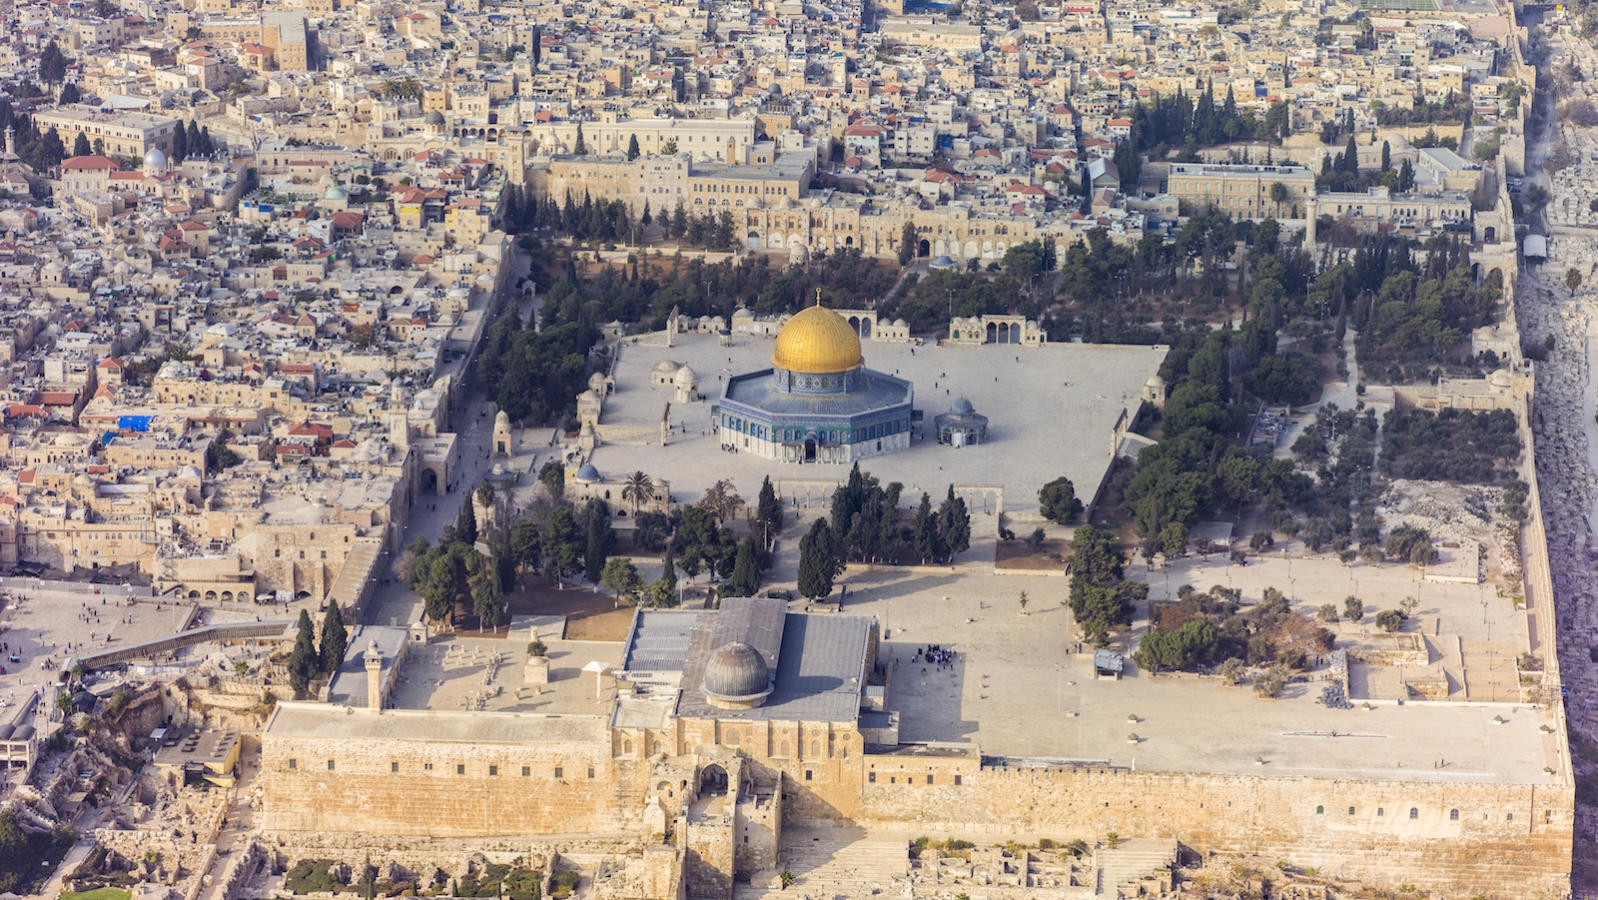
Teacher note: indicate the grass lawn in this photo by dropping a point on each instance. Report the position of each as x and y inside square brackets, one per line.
[105, 893]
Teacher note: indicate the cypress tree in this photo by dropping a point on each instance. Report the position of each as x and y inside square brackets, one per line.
[745, 578]
[818, 565]
[304, 660]
[193, 137]
[599, 541]
[632, 148]
[80, 145]
[180, 144]
[669, 570]
[466, 523]
[924, 532]
[954, 526]
[335, 639]
[768, 510]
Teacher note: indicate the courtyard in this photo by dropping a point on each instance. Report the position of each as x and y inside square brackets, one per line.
[1051, 411]
[1019, 687]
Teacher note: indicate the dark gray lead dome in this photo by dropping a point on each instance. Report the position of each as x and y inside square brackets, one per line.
[736, 673]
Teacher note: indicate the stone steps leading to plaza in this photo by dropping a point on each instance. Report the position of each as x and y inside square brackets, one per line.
[1131, 860]
[834, 863]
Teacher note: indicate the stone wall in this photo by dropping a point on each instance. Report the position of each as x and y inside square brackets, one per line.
[441, 788]
[1506, 840]
[819, 761]
[708, 863]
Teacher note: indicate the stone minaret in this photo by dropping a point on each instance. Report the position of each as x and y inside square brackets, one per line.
[11, 142]
[374, 677]
[399, 431]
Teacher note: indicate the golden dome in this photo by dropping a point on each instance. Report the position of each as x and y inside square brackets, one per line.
[817, 341]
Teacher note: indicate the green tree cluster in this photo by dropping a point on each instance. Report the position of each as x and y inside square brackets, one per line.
[1199, 630]
[1058, 501]
[702, 544]
[1100, 598]
[1180, 122]
[1459, 445]
[1417, 309]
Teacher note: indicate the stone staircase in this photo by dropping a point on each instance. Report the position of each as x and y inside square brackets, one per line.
[834, 864]
[1130, 860]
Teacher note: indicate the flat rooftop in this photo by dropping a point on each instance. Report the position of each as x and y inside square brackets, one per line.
[489, 675]
[1051, 411]
[320, 720]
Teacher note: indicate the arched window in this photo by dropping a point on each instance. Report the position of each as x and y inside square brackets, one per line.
[1320, 810]
[1351, 810]
[1453, 815]
[1414, 813]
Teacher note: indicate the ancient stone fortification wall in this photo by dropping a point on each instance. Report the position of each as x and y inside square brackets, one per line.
[1500, 840]
[708, 860]
[443, 789]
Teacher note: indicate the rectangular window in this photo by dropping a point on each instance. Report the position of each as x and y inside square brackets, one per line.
[929, 778]
[427, 767]
[871, 777]
[460, 768]
[809, 775]
[330, 765]
[294, 764]
[956, 779]
[560, 772]
[590, 772]
[493, 770]
[527, 771]
[393, 767]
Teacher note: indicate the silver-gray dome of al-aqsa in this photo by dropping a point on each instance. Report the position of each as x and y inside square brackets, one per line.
[736, 677]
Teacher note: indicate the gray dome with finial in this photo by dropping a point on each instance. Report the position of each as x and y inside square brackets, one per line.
[737, 674]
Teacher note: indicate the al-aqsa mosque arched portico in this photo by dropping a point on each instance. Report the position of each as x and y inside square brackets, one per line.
[818, 402]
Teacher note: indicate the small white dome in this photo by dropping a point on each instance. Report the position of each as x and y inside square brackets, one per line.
[155, 159]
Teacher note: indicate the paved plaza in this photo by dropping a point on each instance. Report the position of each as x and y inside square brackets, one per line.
[41, 621]
[1051, 411]
[1018, 689]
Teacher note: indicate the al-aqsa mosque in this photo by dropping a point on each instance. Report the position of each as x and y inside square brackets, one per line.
[818, 402]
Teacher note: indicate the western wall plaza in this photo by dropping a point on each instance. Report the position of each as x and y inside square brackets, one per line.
[720, 450]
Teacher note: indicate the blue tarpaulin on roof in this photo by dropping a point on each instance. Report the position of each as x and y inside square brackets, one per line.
[107, 438]
[134, 423]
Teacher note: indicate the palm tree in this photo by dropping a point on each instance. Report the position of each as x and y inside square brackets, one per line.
[1279, 195]
[639, 488]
